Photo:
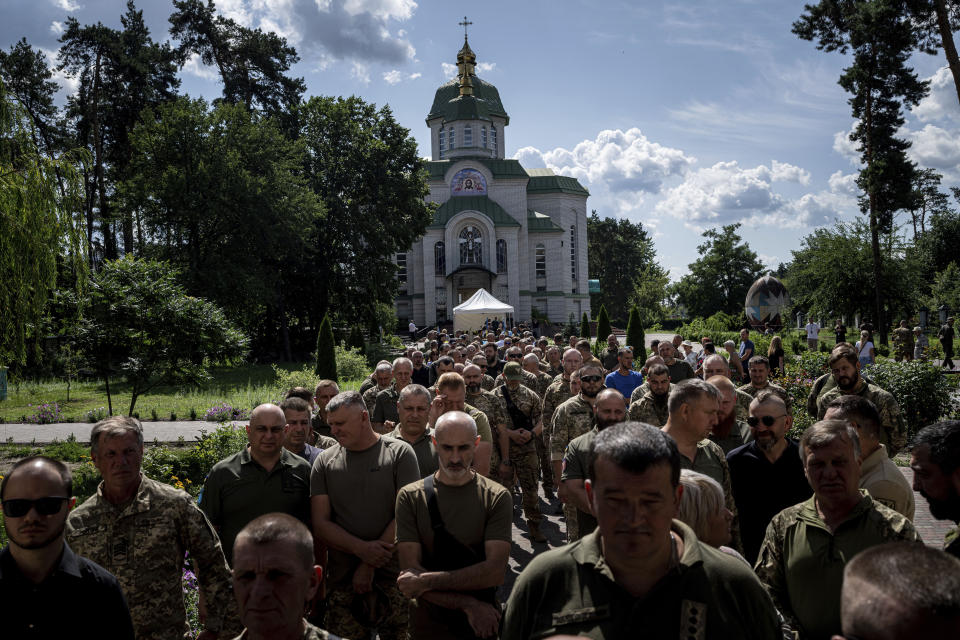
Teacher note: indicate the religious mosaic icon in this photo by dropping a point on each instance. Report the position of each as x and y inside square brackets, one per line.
[469, 182]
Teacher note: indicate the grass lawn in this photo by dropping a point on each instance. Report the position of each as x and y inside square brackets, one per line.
[241, 387]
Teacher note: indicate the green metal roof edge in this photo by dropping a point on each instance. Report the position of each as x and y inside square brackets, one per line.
[483, 204]
[447, 101]
[541, 223]
[500, 168]
[555, 184]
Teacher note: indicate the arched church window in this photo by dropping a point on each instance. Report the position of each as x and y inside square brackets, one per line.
[541, 261]
[493, 138]
[471, 246]
[483, 137]
[501, 256]
[440, 259]
[468, 136]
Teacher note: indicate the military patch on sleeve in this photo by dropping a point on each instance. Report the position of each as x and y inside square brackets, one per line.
[693, 620]
[586, 614]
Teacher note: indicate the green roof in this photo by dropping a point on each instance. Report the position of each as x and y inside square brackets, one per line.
[499, 168]
[541, 223]
[553, 184]
[484, 103]
[483, 204]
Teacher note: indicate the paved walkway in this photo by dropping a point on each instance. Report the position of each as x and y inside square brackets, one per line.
[159, 431]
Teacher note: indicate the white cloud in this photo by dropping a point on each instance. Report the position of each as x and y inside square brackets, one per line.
[844, 184]
[68, 83]
[396, 77]
[726, 193]
[486, 67]
[449, 70]
[194, 66]
[941, 103]
[846, 147]
[383, 9]
[620, 161]
[67, 5]
[936, 148]
[360, 71]
[57, 27]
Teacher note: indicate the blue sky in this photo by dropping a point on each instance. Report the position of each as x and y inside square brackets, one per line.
[681, 117]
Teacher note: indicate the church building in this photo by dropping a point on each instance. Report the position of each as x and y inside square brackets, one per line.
[519, 233]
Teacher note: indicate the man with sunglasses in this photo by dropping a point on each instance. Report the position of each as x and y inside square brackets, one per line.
[486, 382]
[767, 473]
[46, 589]
[572, 419]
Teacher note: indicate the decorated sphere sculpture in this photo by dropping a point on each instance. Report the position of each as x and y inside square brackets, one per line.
[765, 303]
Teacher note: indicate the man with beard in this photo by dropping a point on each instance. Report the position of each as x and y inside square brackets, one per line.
[559, 390]
[46, 589]
[766, 474]
[609, 409]
[523, 425]
[651, 406]
[693, 407]
[494, 363]
[413, 406]
[716, 365]
[450, 395]
[572, 419]
[729, 432]
[486, 382]
[759, 371]
[453, 540]
[845, 367]
[878, 474]
[935, 460]
[491, 406]
[806, 546]
[623, 378]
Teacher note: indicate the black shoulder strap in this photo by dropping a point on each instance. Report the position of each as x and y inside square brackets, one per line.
[436, 520]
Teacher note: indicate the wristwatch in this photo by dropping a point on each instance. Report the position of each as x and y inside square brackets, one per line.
[509, 463]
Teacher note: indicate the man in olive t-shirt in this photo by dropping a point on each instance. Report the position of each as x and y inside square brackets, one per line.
[354, 488]
[453, 573]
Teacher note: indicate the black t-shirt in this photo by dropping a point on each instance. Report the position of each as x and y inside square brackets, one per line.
[80, 599]
[762, 490]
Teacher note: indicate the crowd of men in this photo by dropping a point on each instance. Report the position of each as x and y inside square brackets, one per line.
[390, 510]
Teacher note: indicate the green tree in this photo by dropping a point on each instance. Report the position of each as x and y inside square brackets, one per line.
[622, 256]
[355, 339]
[635, 335]
[720, 278]
[38, 230]
[603, 325]
[585, 326]
[137, 321]
[936, 20]
[366, 171]
[880, 35]
[202, 180]
[945, 288]
[326, 351]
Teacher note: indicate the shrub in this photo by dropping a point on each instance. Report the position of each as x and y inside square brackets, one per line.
[351, 363]
[603, 325]
[921, 390]
[95, 415]
[355, 339]
[635, 336]
[305, 377]
[326, 351]
[800, 374]
[585, 326]
[223, 412]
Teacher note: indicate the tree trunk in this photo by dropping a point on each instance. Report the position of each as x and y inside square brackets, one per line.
[874, 230]
[106, 380]
[946, 37]
[109, 239]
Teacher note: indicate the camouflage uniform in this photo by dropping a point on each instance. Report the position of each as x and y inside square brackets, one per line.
[820, 386]
[530, 381]
[312, 633]
[320, 427]
[556, 394]
[391, 609]
[370, 381]
[893, 431]
[143, 544]
[801, 561]
[572, 419]
[543, 381]
[902, 343]
[370, 397]
[743, 405]
[752, 391]
[646, 408]
[543, 455]
[487, 383]
[491, 405]
[553, 372]
[524, 456]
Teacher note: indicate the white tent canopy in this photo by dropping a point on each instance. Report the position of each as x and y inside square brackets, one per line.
[470, 315]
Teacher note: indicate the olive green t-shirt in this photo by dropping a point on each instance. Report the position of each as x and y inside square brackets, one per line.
[576, 461]
[423, 447]
[483, 425]
[362, 487]
[238, 490]
[473, 513]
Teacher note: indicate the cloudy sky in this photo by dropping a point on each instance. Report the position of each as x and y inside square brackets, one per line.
[681, 117]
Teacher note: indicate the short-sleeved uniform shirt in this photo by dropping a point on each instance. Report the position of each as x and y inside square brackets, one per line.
[572, 591]
[423, 447]
[573, 418]
[710, 460]
[238, 490]
[385, 406]
[529, 404]
[680, 370]
[576, 460]
[362, 487]
[886, 484]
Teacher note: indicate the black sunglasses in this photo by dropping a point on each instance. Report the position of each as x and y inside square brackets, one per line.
[19, 507]
[768, 421]
[590, 378]
[514, 355]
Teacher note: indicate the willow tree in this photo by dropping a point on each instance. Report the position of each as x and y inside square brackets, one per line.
[39, 230]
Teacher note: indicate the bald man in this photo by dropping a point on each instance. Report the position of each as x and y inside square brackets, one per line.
[263, 478]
